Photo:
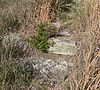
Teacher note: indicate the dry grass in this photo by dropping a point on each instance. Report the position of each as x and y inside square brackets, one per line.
[23, 10]
[85, 21]
[87, 60]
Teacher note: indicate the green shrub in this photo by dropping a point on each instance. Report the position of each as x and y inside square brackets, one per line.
[40, 40]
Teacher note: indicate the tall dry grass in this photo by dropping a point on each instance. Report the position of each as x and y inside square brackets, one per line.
[21, 10]
[87, 73]
[85, 21]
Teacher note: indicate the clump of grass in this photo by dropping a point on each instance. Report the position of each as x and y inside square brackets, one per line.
[14, 76]
[40, 40]
[62, 7]
[13, 46]
[87, 75]
[10, 24]
[77, 17]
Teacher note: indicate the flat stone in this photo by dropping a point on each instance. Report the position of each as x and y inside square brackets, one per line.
[63, 46]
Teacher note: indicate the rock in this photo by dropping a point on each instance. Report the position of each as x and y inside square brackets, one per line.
[48, 71]
[64, 33]
[14, 46]
[63, 46]
[56, 24]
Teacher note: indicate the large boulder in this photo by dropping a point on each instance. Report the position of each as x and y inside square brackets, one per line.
[48, 71]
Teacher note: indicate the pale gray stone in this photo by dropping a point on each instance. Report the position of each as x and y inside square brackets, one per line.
[63, 46]
[48, 70]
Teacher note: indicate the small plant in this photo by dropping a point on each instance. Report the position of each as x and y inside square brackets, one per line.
[40, 40]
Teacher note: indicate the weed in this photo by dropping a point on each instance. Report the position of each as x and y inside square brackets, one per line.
[40, 40]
